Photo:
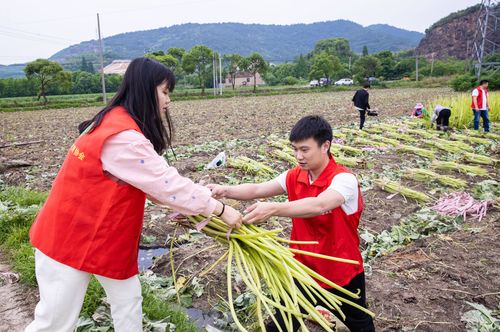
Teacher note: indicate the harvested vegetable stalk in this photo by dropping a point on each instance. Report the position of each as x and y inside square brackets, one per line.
[400, 136]
[374, 130]
[260, 258]
[418, 151]
[478, 159]
[347, 149]
[421, 132]
[424, 175]
[368, 142]
[354, 132]
[395, 187]
[285, 156]
[346, 161]
[390, 141]
[450, 146]
[251, 166]
[453, 166]
[387, 127]
[471, 139]
[461, 204]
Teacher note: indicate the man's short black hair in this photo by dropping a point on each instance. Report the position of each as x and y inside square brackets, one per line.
[366, 85]
[483, 81]
[312, 126]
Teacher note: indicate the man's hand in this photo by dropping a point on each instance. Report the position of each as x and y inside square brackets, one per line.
[217, 190]
[259, 212]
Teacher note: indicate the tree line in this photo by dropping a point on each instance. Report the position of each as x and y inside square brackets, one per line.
[331, 59]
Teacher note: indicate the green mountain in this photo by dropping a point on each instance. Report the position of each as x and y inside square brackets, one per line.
[277, 43]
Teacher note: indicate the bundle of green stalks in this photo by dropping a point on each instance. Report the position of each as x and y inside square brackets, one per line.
[368, 142]
[450, 146]
[471, 139]
[477, 133]
[415, 123]
[396, 188]
[478, 159]
[422, 133]
[390, 141]
[282, 155]
[400, 136]
[346, 149]
[374, 130]
[453, 166]
[418, 151]
[424, 175]
[251, 166]
[339, 134]
[347, 161]
[263, 262]
[387, 126]
[354, 132]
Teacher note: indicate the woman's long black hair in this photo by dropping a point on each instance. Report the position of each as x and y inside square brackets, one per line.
[137, 94]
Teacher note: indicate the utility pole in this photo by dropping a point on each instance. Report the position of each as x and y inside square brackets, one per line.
[350, 59]
[101, 50]
[214, 71]
[220, 74]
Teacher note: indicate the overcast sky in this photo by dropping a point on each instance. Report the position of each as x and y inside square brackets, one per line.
[31, 29]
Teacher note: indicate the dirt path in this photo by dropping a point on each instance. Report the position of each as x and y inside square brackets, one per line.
[17, 304]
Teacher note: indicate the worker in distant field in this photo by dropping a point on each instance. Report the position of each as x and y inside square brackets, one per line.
[480, 105]
[441, 116]
[419, 111]
[362, 104]
[325, 205]
[91, 222]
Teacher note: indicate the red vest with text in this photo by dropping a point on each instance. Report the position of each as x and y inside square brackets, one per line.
[480, 99]
[90, 222]
[335, 231]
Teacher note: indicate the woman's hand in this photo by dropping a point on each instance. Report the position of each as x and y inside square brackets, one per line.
[217, 190]
[232, 217]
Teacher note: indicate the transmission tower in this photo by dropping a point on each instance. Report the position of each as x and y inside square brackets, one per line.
[487, 36]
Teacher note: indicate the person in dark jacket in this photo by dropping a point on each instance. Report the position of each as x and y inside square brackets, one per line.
[362, 104]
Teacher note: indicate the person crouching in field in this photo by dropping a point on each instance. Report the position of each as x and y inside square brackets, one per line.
[92, 220]
[441, 116]
[325, 205]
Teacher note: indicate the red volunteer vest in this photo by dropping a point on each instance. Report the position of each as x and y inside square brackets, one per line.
[89, 221]
[336, 232]
[480, 99]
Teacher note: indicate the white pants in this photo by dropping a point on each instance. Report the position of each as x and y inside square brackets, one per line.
[62, 290]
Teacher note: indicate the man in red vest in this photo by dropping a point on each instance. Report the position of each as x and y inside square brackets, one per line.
[480, 105]
[325, 204]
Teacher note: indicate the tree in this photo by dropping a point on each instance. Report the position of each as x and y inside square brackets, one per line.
[365, 50]
[176, 52]
[324, 65]
[232, 64]
[165, 59]
[255, 64]
[387, 64]
[338, 47]
[365, 67]
[302, 67]
[198, 60]
[46, 74]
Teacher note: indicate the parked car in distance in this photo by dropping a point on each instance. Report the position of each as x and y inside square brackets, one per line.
[314, 83]
[344, 81]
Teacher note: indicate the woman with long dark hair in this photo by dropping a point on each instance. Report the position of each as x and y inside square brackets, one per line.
[92, 220]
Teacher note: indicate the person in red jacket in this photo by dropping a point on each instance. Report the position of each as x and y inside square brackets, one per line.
[325, 204]
[479, 105]
[92, 219]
